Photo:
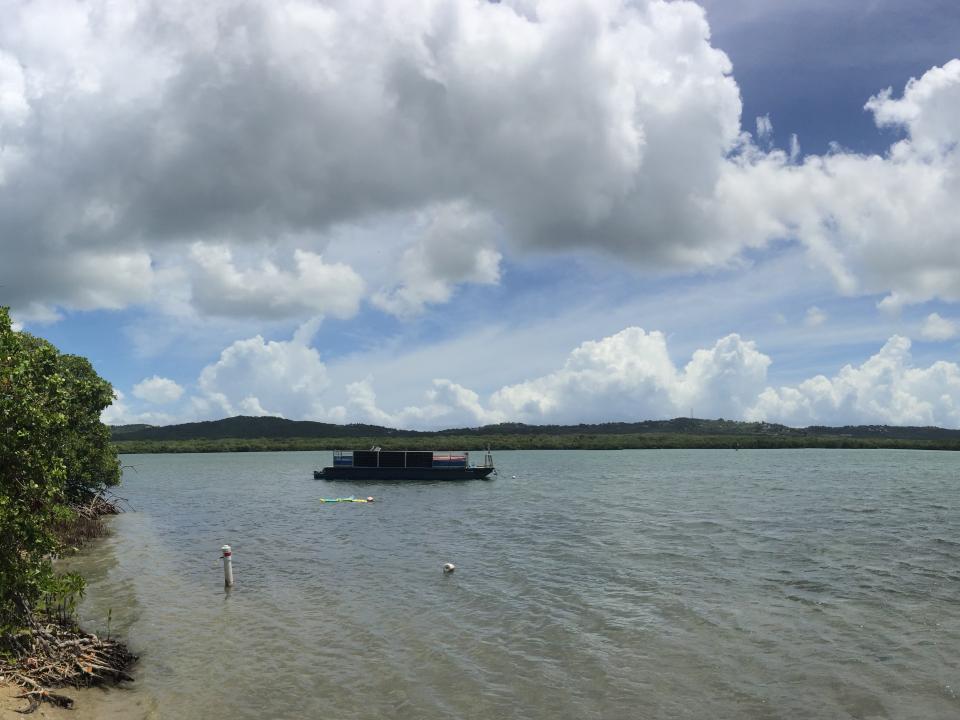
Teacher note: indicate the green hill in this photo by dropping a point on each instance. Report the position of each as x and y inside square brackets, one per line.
[242, 427]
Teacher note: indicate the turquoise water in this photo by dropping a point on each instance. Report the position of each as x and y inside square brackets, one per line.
[594, 584]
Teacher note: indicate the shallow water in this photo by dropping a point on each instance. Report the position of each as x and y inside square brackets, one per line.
[594, 584]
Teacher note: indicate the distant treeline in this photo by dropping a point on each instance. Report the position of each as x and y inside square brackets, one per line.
[649, 433]
[537, 441]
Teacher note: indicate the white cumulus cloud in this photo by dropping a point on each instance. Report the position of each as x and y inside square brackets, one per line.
[878, 224]
[158, 390]
[132, 131]
[264, 290]
[448, 405]
[120, 412]
[938, 328]
[886, 389]
[629, 376]
[265, 377]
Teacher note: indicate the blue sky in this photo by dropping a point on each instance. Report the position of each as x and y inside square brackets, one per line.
[812, 65]
[445, 214]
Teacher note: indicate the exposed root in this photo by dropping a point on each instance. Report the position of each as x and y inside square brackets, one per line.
[53, 652]
[59, 655]
[39, 695]
[87, 522]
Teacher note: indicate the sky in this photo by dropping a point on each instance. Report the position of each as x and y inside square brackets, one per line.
[438, 213]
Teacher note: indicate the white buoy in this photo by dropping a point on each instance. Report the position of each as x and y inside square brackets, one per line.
[449, 568]
[227, 558]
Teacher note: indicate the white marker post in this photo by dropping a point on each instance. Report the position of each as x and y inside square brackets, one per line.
[227, 558]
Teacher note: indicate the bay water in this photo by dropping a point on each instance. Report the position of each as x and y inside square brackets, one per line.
[589, 584]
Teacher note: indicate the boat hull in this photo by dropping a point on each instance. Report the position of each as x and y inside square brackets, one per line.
[384, 473]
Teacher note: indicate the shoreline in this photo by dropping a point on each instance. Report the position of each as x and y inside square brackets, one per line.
[537, 442]
[58, 660]
[92, 703]
[9, 704]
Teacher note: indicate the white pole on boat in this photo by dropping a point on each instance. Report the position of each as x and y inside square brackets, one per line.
[227, 558]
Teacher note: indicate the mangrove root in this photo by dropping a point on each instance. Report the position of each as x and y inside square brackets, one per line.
[57, 655]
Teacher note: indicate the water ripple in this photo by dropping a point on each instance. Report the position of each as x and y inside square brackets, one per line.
[657, 584]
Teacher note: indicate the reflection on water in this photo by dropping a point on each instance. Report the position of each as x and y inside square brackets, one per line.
[642, 584]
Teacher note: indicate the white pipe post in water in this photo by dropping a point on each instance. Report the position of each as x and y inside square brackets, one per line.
[227, 565]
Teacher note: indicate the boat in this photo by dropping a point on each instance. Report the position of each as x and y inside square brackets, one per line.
[377, 464]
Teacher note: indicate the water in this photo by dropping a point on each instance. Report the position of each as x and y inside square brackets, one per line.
[629, 584]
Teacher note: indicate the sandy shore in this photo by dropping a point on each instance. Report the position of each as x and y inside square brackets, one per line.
[89, 704]
[9, 703]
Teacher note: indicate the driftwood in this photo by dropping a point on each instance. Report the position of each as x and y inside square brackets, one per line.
[57, 655]
[38, 694]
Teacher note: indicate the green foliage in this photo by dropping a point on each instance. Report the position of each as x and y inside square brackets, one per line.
[540, 441]
[63, 592]
[90, 458]
[53, 450]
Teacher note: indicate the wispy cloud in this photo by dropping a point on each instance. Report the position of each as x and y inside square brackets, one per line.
[815, 317]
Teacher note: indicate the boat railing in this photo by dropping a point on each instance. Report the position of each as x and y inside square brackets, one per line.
[487, 459]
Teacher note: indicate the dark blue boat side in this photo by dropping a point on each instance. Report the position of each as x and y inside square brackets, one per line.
[377, 464]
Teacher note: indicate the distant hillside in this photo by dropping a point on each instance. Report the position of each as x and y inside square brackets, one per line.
[248, 428]
[117, 431]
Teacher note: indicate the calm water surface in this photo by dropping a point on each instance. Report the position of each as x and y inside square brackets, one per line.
[630, 584]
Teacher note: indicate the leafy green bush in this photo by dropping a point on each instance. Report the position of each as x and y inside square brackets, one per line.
[53, 450]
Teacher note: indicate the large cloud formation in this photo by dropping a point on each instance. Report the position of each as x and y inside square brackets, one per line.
[260, 377]
[630, 375]
[627, 376]
[886, 389]
[313, 287]
[130, 130]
